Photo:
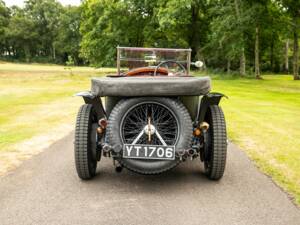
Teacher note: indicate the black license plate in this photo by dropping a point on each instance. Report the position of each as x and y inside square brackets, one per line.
[149, 152]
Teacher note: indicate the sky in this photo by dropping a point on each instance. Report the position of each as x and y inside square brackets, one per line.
[21, 2]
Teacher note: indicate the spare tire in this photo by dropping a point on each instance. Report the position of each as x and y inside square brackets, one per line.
[169, 116]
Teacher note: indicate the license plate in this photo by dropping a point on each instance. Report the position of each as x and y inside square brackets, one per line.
[149, 152]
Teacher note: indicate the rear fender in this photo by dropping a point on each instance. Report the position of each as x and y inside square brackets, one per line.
[213, 98]
[96, 101]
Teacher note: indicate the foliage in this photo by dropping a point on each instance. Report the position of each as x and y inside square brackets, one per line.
[43, 29]
[107, 24]
[4, 20]
[67, 42]
[225, 34]
[292, 8]
[20, 34]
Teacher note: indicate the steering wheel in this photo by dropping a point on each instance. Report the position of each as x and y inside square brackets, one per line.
[166, 62]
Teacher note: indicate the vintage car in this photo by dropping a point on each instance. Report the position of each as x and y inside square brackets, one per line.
[150, 116]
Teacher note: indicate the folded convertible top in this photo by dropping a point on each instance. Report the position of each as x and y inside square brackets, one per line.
[150, 86]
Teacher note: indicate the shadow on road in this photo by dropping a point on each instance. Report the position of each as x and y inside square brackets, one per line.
[181, 177]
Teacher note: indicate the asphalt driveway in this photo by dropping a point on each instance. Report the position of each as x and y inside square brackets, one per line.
[46, 190]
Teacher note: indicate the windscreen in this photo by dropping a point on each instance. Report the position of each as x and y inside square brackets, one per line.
[130, 58]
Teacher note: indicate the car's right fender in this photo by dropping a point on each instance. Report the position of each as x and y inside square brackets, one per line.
[212, 98]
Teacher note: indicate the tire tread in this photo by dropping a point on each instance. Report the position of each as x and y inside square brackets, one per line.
[81, 143]
[219, 143]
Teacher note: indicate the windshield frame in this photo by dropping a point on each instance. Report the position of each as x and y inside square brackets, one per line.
[141, 49]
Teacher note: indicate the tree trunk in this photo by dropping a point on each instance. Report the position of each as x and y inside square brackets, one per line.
[242, 57]
[192, 35]
[272, 53]
[228, 66]
[295, 55]
[286, 66]
[257, 71]
[243, 63]
[27, 53]
[54, 53]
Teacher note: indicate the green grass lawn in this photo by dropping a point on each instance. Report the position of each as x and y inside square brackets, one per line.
[263, 116]
[36, 98]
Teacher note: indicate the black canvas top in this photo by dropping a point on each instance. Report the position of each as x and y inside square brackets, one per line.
[150, 86]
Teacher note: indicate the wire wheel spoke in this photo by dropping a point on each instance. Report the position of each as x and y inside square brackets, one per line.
[146, 114]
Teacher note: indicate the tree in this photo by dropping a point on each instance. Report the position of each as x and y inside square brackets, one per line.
[183, 23]
[173, 18]
[257, 14]
[4, 20]
[292, 7]
[227, 34]
[106, 24]
[43, 30]
[21, 34]
[101, 31]
[239, 16]
[162, 23]
[68, 38]
[46, 15]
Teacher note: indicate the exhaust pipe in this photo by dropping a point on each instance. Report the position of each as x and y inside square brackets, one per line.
[107, 149]
[187, 153]
[119, 169]
[118, 166]
[192, 152]
[182, 155]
